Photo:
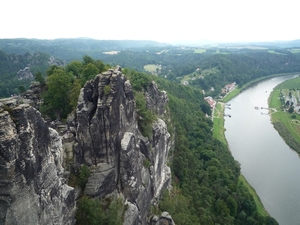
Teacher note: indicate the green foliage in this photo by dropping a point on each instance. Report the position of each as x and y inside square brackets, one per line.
[89, 72]
[87, 60]
[63, 86]
[146, 163]
[22, 89]
[291, 109]
[145, 117]
[107, 89]
[95, 212]
[75, 67]
[139, 81]
[84, 174]
[39, 78]
[10, 64]
[74, 94]
[205, 172]
[56, 97]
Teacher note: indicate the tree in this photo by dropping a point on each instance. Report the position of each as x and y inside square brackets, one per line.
[51, 70]
[87, 59]
[39, 77]
[89, 72]
[22, 89]
[291, 109]
[75, 93]
[75, 67]
[56, 97]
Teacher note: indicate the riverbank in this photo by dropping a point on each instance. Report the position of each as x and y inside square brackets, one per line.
[287, 124]
[238, 89]
[219, 133]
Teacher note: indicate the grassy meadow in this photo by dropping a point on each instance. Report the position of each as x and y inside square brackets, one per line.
[287, 124]
[295, 50]
[218, 119]
[200, 50]
[152, 68]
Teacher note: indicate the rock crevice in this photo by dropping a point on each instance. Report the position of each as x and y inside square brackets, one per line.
[126, 162]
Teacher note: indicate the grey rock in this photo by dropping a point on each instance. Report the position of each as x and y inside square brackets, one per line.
[25, 74]
[164, 219]
[32, 190]
[108, 140]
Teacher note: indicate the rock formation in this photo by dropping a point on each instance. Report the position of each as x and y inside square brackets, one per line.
[25, 74]
[120, 158]
[33, 94]
[105, 137]
[32, 190]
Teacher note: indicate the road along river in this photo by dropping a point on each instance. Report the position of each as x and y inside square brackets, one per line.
[268, 164]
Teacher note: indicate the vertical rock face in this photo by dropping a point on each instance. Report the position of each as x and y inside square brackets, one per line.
[109, 142]
[32, 190]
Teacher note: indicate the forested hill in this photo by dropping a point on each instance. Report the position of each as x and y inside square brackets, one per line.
[71, 49]
[10, 65]
[212, 67]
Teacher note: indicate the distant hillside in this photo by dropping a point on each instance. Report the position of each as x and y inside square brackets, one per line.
[71, 49]
[18, 70]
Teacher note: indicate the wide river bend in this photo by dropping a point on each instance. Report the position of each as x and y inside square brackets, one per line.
[268, 164]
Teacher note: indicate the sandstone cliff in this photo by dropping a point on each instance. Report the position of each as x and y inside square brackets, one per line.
[106, 137]
[32, 190]
[121, 160]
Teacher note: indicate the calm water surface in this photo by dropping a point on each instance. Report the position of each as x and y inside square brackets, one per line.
[268, 164]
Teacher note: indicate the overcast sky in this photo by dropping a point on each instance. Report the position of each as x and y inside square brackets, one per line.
[159, 20]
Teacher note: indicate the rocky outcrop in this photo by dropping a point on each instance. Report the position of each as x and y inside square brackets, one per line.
[32, 190]
[25, 74]
[33, 94]
[54, 61]
[120, 158]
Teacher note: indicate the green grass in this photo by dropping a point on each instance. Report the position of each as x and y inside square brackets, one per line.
[295, 50]
[238, 90]
[260, 207]
[273, 52]
[283, 122]
[218, 129]
[200, 50]
[231, 94]
[151, 68]
[290, 84]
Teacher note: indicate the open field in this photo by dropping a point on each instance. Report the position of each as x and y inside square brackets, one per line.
[218, 119]
[290, 84]
[238, 90]
[295, 50]
[273, 52]
[200, 50]
[152, 68]
[287, 124]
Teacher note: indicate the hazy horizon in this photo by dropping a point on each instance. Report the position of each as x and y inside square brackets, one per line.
[189, 21]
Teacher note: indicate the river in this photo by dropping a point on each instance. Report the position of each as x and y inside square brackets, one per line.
[268, 164]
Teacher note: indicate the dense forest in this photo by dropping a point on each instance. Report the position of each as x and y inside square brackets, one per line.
[11, 64]
[211, 68]
[206, 188]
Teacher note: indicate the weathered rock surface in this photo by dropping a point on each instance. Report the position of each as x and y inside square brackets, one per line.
[32, 190]
[108, 140]
[25, 74]
[33, 94]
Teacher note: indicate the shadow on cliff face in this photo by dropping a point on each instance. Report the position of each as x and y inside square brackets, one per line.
[32, 189]
[122, 162]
